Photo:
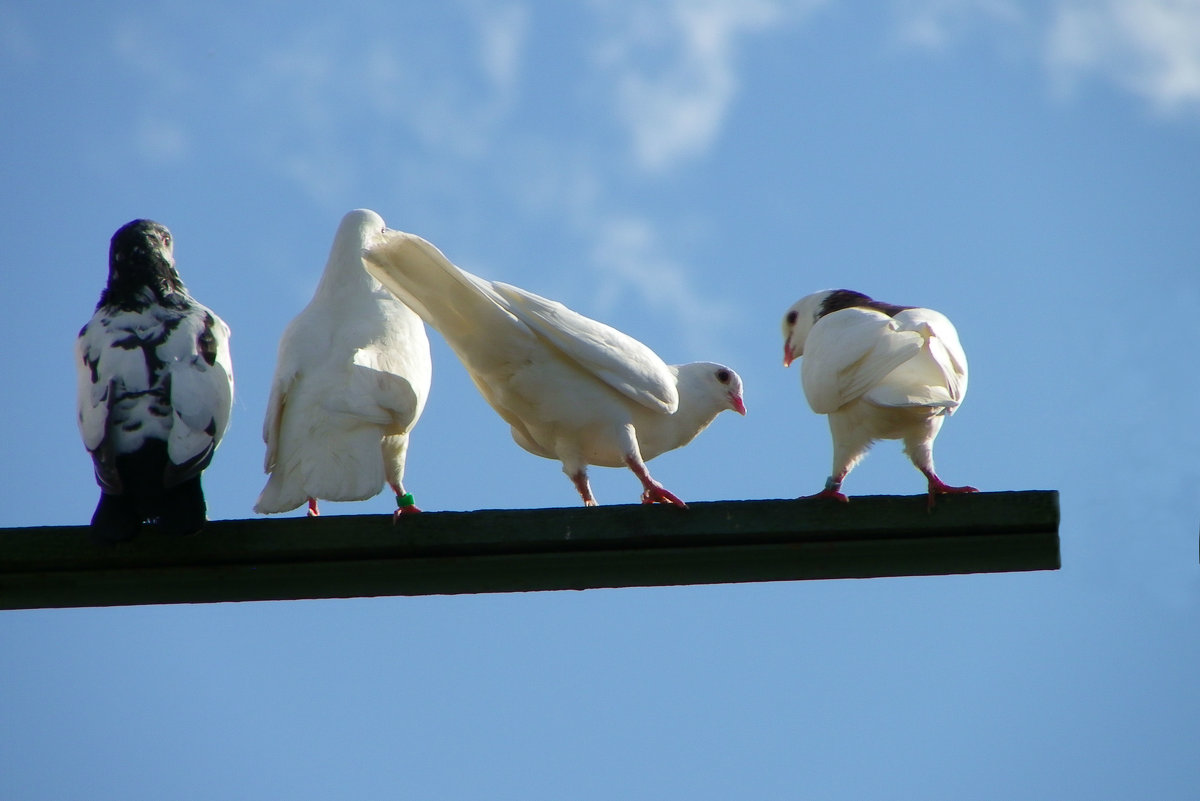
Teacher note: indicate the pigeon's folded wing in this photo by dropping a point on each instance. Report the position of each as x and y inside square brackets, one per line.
[848, 352]
[944, 347]
[201, 386]
[612, 356]
[281, 385]
[92, 393]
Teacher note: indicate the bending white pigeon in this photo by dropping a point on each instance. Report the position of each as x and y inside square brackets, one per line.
[155, 384]
[351, 381]
[878, 371]
[571, 388]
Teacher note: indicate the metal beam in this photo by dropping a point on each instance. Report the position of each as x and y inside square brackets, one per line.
[439, 553]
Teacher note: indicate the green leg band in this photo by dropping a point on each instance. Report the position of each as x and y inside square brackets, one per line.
[405, 500]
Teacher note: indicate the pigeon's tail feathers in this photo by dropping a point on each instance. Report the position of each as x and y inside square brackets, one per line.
[942, 356]
[446, 297]
[329, 462]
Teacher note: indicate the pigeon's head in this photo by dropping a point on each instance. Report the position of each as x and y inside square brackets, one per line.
[140, 256]
[799, 320]
[715, 386]
[359, 230]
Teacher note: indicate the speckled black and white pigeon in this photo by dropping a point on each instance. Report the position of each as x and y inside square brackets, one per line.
[155, 389]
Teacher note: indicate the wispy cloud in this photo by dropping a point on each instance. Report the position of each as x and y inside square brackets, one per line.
[632, 261]
[502, 31]
[673, 69]
[161, 140]
[1148, 47]
[937, 24]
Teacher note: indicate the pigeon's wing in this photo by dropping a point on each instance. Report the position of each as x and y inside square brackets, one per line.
[93, 400]
[200, 380]
[281, 385]
[612, 356]
[488, 323]
[943, 345]
[849, 352]
[462, 307]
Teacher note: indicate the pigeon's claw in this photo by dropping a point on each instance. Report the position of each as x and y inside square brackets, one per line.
[938, 487]
[833, 489]
[411, 509]
[657, 493]
[829, 493]
[653, 492]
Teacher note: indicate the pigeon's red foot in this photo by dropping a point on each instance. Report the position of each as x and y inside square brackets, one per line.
[938, 487]
[832, 494]
[656, 493]
[411, 509]
[313, 511]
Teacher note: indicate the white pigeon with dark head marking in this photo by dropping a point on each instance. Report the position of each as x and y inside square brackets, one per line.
[879, 371]
[155, 384]
[350, 383]
[571, 388]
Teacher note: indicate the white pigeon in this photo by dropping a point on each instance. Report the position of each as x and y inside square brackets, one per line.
[879, 371]
[350, 383]
[155, 385]
[572, 389]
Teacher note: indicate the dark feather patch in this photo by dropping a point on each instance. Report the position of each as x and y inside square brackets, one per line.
[849, 299]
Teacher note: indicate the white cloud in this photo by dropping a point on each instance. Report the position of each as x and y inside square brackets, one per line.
[1148, 47]
[673, 66]
[161, 141]
[936, 24]
[630, 258]
[502, 32]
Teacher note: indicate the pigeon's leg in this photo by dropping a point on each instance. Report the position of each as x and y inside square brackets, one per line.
[920, 451]
[395, 452]
[938, 487]
[313, 511]
[115, 519]
[850, 445]
[833, 486]
[653, 492]
[182, 509]
[580, 479]
[405, 505]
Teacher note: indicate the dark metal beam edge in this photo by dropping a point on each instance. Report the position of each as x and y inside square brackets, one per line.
[528, 550]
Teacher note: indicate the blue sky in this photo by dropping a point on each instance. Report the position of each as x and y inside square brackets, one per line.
[684, 172]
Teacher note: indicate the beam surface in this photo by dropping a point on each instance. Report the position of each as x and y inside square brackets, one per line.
[442, 553]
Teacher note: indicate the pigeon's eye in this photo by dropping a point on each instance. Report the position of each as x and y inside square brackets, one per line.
[723, 376]
[167, 240]
[791, 317]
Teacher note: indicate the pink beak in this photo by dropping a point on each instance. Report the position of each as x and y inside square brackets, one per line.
[738, 404]
[789, 355]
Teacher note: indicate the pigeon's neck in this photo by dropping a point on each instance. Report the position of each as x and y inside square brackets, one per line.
[697, 408]
[347, 279]
[133, 295]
